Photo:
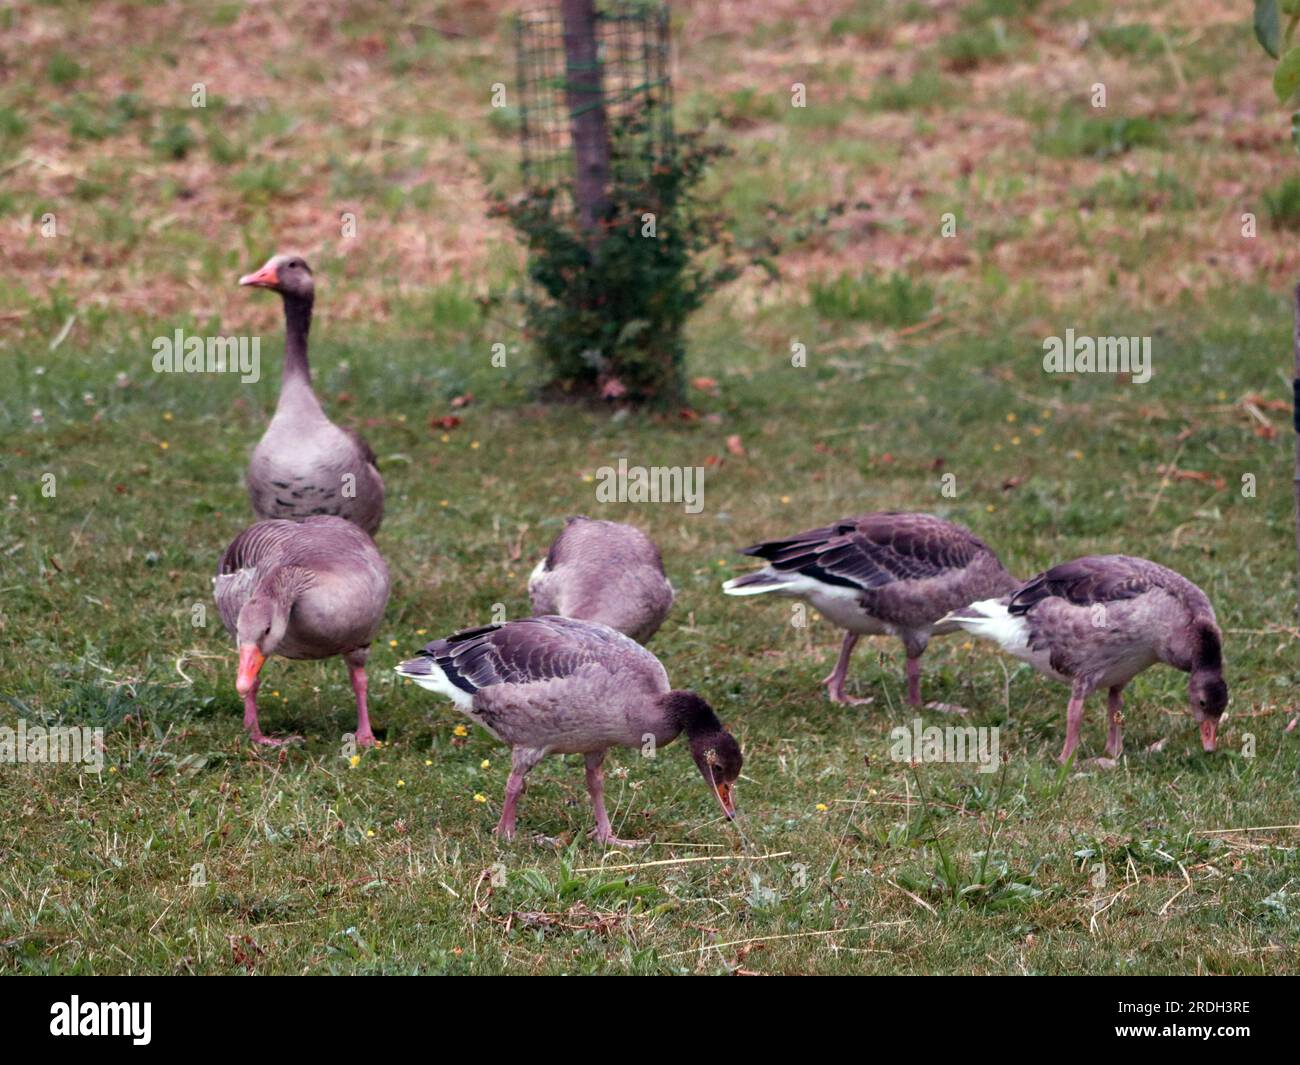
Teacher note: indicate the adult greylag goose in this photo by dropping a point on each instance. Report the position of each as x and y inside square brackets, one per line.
[553, 685]
[305, 465]
[603, 571]
[1098, 622]
[309, 589]
[879, 573]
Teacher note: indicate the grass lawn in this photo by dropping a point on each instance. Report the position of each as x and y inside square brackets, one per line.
[194, 852]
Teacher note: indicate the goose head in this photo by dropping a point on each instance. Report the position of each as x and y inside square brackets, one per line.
[288, 275]
[1209, 698]
[258, 632]
[1206, 689]
[714, 750]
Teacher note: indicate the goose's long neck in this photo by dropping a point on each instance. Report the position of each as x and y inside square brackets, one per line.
[297, 323]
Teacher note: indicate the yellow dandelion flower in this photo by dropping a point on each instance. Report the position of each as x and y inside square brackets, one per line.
[164, 445]
[370, 833]
[485, 764]
[1011, 417]
[167, 415]
[822, 807]
[392, 643]
[112, 769]
[354, 761]
[480, 797]
[990, 507]
[420, 632]
[785, 499]
[443, 503]
[445, 438]
[473, 445]
[1016, 441]
[401, 783]
[428, 761]
[968, 646]
[460, 730]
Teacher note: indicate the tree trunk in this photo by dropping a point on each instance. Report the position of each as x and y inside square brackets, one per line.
[1295, 421]
[582, 89]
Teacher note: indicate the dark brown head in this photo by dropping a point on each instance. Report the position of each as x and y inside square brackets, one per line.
[1206, 688]
[288, 275]
[715, 750]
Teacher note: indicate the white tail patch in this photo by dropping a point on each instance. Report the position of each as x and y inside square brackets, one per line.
[435, 680]
[786, 584]
[991, 620]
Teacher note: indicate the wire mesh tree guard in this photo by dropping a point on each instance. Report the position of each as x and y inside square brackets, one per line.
[627, 86]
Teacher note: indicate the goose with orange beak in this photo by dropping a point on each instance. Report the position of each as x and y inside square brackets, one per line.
[1096, 623]
[304, 464]
[556, 685]
[311, 589]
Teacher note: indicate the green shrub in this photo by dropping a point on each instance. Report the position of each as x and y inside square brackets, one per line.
[1283, 204]
[607, 316]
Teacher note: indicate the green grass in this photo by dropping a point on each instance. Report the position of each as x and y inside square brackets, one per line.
[194, 852]
[315, 865]
[896, 300]
[1099, 136]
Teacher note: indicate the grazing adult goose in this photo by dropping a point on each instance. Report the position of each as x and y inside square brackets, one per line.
[304, 464]
[310, 589]
[1098, 622]
[553, 685]
[880, 573]
[603, 571]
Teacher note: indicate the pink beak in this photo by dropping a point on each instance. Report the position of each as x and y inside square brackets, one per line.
[250, 663]
[1209, 733]
[263, 278]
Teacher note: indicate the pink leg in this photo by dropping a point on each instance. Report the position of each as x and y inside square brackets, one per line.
[835, 681]
[1115, 738]
[1073, 722]
[596, 788]
[914, 681]
[522, 759]
[365, 738]
[254, 729]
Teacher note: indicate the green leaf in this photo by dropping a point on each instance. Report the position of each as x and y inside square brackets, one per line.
[1295, 130]
[1286, 78]
[1268, 27]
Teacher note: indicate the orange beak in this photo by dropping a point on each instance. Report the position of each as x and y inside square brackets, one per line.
[724, 797]
[250, 662]
[263, 278]
[1209, 733]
